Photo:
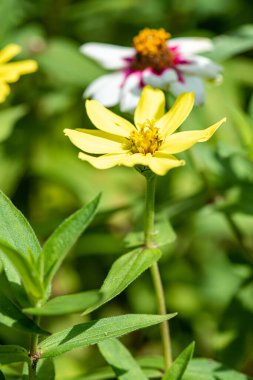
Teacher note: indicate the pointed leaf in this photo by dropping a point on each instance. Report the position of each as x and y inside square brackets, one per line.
[13, 354]
[11, 316]
[25, 268]
[124, 271]
[64, 237]
[68, 304]
[86, 334]
[178, 367]
[121, 361]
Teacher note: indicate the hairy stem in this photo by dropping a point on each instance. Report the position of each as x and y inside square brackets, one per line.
[33, 353]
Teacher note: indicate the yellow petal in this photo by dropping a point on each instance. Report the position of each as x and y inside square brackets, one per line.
[97, 142]
[4, 91]
[103, 162]
[151, 105]
[11, 72]
[162, 163]
[8, 52]
[181, 141]
[176, 115]
[106, 120]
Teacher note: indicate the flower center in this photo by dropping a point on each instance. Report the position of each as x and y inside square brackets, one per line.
[146, 139]
[152, 50]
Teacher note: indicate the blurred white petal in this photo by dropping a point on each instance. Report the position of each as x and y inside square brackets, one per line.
[110, 57]
[106, 89]
[191, 83]
[130, 93]
[159, 80]
[191, 45]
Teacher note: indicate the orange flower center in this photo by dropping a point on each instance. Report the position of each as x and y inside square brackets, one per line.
[146, 139]
[152, 50]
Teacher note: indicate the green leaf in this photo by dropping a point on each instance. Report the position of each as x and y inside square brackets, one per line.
[8, 118]
[26, 268]
[65, 236]
[163, 234]
[120, 359]
[86, 334]
[207, 369]
[17, 232]
[45, 370]
[178, 367]
[124, 271]
[68, 304]
[2, 377]
[13, 354]
[12, 317]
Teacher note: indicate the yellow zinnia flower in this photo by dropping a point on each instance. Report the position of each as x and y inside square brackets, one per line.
[11, 72]
[151, 142]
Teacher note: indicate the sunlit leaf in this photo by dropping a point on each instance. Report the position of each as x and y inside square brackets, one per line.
[124, 271]
[72, 303]
[93, 332]
[64, 237]
[178, 367]
[121, 361]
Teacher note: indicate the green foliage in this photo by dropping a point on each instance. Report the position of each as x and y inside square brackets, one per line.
[178, 367]
[64, 237]
[46, 370]
[93, 332]
[124, 271]
[13, 354]
[72, 303]
[8, 119]
[121, 361]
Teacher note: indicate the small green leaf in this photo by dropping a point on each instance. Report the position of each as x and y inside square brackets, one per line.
[121, 361]
[45, 370]
[124, 271]
[64, 237]
[68, 304]
[13, 354]
[86, 334]
[26, 269]
[11, 316]
[163, 234]
[178, 367]
[8, 118]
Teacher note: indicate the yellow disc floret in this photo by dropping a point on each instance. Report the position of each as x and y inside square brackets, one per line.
[152, 50]
[146, 139]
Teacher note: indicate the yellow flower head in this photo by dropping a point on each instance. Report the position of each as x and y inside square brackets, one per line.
[150, 142]
[11, 72]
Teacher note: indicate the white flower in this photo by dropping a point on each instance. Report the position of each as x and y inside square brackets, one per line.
[169, 64]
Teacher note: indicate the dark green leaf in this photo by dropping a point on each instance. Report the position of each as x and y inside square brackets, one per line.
[8, 118]
[124, 271]
[178, 367]
[45, 370]
[12, 354]
[11, 316]
[2, 376]
[26, 269]
[93, 332]
[64, 237]
[68, 304]
[121, 361]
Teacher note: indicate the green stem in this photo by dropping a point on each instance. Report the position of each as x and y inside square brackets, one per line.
[148, 233]
[33, 353]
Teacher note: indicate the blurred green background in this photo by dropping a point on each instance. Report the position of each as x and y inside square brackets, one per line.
[207, 270]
